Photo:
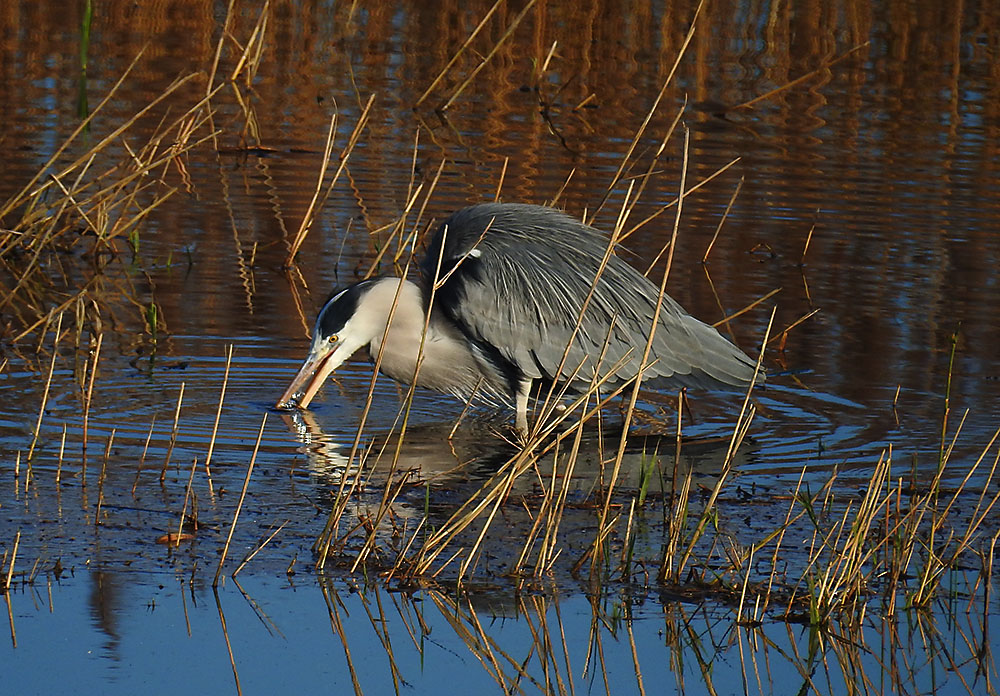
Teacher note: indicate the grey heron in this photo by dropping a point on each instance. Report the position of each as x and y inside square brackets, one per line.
[516, 286]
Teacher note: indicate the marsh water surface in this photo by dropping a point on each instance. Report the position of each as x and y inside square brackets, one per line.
[867, 190]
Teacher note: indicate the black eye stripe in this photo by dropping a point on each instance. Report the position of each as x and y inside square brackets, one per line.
[339, 309]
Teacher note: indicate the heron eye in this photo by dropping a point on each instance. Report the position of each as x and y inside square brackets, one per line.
[333, 338]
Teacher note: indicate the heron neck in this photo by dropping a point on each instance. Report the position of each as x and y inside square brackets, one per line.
[447, 363]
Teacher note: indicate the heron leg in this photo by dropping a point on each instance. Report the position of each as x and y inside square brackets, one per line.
[521, 406]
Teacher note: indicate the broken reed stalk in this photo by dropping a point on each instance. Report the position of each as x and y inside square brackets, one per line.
[142, 458]
[411, 242]
[81, 161]
[722, 221]
[89, 399]
[17, 199]
[947, 398]
[784, 332]
[307, 218]
[503, 173]
[45, 393]
[562, 189]
[187, 497]
[258, 549]
[805, 249]
[645, 178]
[173, 434]
[218, 414]
[253, 48]
[10, 568]
[62, 450]
[101, 477]
[400, 225]
[729, 317]
[239, 505]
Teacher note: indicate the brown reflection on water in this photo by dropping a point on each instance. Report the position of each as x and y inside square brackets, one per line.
[887, 148]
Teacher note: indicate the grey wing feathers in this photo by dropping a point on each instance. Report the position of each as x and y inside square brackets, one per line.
[524, 272]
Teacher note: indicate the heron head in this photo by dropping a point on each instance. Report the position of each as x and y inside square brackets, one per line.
[339, 331]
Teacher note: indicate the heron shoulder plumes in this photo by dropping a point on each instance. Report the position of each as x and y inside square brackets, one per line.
[520, 293]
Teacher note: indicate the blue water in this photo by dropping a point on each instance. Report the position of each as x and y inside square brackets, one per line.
[124, 632]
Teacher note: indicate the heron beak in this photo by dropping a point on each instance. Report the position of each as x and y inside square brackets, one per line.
[314, 371]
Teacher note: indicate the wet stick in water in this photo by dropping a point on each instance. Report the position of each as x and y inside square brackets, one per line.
[257, 550]
[10, 568]
[187, 496]
[173, 435]
[783, 336]
[239, 505]
[722, 220]
[760, 300]
[62, 450]
[8, 593]
[142, 458]
[45, 393]
[218, 415]
[101, 477]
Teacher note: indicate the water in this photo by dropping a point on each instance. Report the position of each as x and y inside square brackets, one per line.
[125, 634]
[885, 154]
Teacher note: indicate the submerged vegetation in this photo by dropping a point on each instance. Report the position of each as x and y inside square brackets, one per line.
[590, 505]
